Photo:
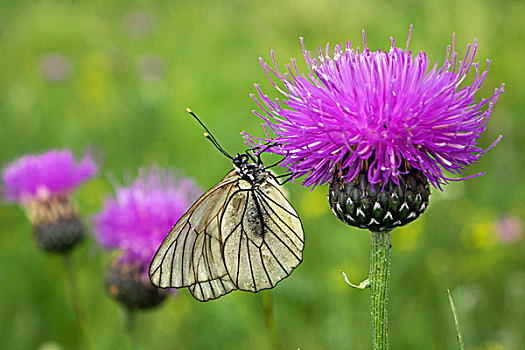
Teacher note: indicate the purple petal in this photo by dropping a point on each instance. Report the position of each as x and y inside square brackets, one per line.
[47, 174]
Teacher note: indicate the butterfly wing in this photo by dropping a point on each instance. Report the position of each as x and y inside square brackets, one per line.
[263, 236]
[190, 256]
[234, 237]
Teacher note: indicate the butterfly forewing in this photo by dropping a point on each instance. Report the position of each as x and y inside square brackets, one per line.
[236, 236]
[190, 254]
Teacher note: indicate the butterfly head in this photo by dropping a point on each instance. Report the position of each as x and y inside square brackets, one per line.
[252, 172]
[239, 160]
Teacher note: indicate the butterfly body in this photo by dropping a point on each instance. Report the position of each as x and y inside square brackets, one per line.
[253, 173]
[241, 234]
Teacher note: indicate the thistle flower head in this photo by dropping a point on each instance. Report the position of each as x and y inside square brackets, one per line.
[384, 112]
[127, 284]
[43, 184]
[50, 174]
[137, 219]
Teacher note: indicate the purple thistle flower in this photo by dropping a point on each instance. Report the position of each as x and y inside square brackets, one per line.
[139, 217]
[45, 175]
[43, 184]
[380, 111]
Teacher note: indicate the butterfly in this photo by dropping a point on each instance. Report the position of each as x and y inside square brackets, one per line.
[241, 234]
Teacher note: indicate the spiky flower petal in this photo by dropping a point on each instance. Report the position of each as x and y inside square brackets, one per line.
[379, 111]
[45, 175]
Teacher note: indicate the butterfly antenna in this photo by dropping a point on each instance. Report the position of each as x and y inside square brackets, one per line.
[209, 135]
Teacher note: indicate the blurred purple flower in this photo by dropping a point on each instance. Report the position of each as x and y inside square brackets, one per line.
[50, 174]
[55, 67]
[138, 24]
[375, 110]
[43, 184]
[509, 228]
[151, 67]
[139, 217]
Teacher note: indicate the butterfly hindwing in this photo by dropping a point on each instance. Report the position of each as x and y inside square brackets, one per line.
[265, 243]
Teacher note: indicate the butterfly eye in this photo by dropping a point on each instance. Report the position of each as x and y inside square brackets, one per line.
[238, 160]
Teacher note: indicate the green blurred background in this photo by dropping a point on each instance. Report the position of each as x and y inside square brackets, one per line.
[116, 76]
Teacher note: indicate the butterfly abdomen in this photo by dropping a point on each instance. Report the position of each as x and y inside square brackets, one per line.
[254, 220]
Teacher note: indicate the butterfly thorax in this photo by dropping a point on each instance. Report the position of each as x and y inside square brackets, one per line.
[255, 174]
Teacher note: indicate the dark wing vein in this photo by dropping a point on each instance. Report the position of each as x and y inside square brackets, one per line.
[276, 259]
[239, 252]
[264, 266]
[206, 257]
[276, 203]
[284, 244]
[266, 207]
[183, 253]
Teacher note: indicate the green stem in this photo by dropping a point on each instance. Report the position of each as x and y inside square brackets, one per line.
[130, 327]
[269, 317]
[75, 300]
[129, 320]
[379, 276]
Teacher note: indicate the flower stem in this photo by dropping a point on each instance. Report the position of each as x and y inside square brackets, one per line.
[130, 321]
[269, 318]
[379, 276]
[75, 301]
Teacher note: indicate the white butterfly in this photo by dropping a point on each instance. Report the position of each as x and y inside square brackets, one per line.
[241, 234]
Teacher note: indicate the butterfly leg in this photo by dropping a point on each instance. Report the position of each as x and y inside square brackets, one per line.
[267, 145]
[277, 163]
[288, 178]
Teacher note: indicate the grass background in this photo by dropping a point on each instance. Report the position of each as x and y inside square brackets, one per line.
[127, 71]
